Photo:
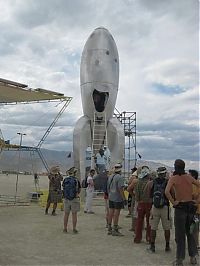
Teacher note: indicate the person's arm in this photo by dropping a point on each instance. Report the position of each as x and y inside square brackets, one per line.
[168, 190]
[136, 191]
[79, 188]
[148, 188]
[198, 197]
[131, 187]
[90, 182]
[60, 176]
[121, 191]
[130, 179]
[196, 192]
[196, 182]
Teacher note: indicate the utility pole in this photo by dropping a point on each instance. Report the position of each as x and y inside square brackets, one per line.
[20, 144]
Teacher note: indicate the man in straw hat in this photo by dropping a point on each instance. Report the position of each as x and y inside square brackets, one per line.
[161, 209]
[117, 200]
[55, 193]
[71, 191]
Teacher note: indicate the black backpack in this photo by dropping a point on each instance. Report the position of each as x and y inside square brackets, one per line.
[70, 187]
[84, 183]
[159, 198]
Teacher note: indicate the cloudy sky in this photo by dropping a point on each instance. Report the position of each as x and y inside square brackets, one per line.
[41, 44]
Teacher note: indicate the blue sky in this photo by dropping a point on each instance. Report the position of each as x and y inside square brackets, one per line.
[41, 45]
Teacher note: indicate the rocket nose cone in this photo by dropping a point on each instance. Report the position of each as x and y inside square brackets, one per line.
[101, 38]
[101, 28]
[100, 60]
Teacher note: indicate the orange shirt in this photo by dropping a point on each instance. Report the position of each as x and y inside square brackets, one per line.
[196, 195]
[182, 185]
[131, 186]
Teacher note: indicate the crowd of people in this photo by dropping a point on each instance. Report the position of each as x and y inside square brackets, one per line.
[152, 198]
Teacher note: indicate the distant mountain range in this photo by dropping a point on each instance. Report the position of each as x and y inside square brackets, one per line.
[26, 161]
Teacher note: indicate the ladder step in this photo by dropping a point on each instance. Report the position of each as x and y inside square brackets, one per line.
[99, 132]
[98, 126]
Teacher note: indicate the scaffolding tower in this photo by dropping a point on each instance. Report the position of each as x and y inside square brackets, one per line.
[128, 120]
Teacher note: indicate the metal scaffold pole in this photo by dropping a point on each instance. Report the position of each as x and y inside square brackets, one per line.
[128, 120]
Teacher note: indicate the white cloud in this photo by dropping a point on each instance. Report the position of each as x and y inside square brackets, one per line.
[41, 45]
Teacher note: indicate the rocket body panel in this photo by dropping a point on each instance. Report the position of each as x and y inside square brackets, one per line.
[107, 104]
[99, 79]
[100, 60]
[82, 139]
[99, 72]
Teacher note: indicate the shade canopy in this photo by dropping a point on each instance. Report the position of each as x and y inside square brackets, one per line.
[14, 92]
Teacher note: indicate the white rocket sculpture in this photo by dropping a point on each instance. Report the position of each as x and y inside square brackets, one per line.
[99, 78]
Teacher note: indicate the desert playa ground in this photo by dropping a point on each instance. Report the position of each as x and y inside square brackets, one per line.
[28, 237]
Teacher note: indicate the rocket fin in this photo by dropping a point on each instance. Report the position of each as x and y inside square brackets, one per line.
[116, 140]
[81, 140]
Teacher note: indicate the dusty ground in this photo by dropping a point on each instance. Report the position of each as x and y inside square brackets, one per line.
[28, 237]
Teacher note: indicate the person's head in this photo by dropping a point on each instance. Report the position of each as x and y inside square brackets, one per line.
[55, 170]
[107, 172]
[72, 171]
[161, 172]
[117, 168]
[179, 167]
[101, 152]
[194, 173]
[133, 169]
[153, 174]
[92, 172]
[135, 174]
[145, 171]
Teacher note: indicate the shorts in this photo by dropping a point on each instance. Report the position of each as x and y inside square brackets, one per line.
[72, 205]
[163, 214]
[54, 196]
[116, 205]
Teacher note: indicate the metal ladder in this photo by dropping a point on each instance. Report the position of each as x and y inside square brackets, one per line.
[99, 134]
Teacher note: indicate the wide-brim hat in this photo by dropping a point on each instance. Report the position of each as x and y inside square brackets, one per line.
[117, 168]
[144, 171]
[162, 170]
[135, 173]
[55, 169]
[72, 171]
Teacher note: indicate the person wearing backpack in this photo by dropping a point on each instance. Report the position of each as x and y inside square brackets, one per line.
[89, 192]
[71, 191]
[160, 208]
